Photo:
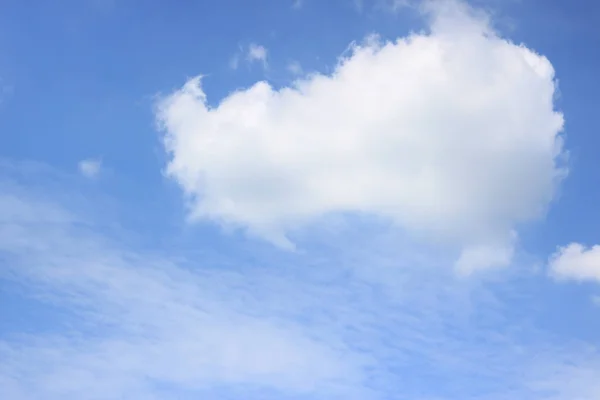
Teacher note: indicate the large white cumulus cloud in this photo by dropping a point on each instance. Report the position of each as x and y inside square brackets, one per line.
[451, 134]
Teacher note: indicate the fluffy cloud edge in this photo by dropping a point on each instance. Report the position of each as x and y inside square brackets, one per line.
[237, 167]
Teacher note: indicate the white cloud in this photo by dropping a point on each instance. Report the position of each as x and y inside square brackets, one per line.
[481, 256]
[452, 135]
[90, 168]
[576, 262]
[253, 53]
[257, 53]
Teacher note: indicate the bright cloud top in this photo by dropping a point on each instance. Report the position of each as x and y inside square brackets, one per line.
[450, 134]
[576, 262]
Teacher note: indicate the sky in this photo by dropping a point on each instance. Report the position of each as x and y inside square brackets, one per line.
[345, 199]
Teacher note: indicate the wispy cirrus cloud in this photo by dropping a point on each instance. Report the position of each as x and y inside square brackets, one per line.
[90, 168]
[253, 53]
[576, 262]
[152, 321]
[294, 68]
[361, 314]
[257, 53]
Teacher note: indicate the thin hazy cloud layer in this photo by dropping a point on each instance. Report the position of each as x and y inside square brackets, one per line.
[258, 53]
[125, 322]
[90, 168]
[350, 320]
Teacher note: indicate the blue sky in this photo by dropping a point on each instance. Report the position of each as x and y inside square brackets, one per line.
[299, 200]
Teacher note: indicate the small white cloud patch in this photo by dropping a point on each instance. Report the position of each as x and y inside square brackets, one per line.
[452, 135]
[257, 53]
[90, 168]
[253, 53]
[576, 262]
